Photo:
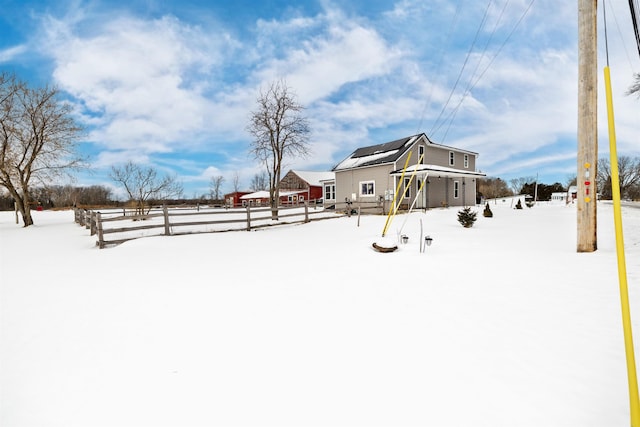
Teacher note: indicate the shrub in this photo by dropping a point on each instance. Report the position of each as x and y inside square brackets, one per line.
[519, 204]
[487, 211]
[466, 217]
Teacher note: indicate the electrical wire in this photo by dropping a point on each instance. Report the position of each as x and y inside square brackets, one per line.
[464, 65]
[454, 111]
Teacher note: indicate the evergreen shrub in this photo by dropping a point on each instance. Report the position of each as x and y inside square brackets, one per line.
[466, 217]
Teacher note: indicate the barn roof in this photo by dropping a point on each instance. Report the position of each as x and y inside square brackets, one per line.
[315, 178]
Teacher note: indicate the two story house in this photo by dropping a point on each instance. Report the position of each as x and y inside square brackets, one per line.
[372, 174]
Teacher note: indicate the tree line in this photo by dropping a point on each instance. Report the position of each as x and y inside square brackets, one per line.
[628, 173]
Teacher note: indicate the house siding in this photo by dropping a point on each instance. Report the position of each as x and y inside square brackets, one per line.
[348, 183]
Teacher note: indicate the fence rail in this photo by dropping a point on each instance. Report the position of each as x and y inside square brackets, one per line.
[115, 226]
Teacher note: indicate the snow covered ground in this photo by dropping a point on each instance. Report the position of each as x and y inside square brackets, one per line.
[502, 324]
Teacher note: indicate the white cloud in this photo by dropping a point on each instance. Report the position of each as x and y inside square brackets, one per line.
[323, 65]
[11, 53]
[143, 79]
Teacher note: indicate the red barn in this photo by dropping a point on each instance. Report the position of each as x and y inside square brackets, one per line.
[306, 184]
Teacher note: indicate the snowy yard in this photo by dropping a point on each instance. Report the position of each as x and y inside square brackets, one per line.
[502, 324]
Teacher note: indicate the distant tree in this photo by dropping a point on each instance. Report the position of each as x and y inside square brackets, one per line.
[143, 184]
[38, 140]
[260, 182]
[628, 174]
[235, 182]
[68, 195]
[493, 188]
[544, 191]
[518, 183]
[215, 187]
[635, 87]
[634, 192]
[279, 130]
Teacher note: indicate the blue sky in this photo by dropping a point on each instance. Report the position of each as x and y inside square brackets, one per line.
[171, 83]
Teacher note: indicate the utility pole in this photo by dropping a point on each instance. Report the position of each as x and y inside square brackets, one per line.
[587, 125]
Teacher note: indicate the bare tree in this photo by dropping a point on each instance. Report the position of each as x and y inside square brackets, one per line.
[517, 184]
[214, 186]
[235, 182]
[279, 130]
[635, 86]
[38, 140]
[260, 181]
[628, 174]
[143, 185]
[493, 188]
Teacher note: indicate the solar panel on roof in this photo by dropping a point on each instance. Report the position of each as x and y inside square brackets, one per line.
[380, 148]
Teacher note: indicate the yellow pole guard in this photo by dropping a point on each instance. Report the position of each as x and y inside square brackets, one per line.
[634, 402]
[393, 204]
[413, 174]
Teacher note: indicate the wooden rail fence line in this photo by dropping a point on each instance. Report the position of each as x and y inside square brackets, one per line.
[167, 220]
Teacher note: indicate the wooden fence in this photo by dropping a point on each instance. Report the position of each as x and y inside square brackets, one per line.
[115, 226]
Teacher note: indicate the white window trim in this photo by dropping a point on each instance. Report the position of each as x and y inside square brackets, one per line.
[373, 192]
[421, 151]
[456, 189]
[452, 158]
[332, 191]
[407, 190]
[466, 161]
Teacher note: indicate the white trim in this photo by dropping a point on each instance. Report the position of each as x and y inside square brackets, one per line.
[371, 189]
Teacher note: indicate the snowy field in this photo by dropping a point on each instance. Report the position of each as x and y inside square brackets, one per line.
[502, 324]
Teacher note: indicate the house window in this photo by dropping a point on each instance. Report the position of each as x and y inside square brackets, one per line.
[367, 188]
[456, 189]
[421, 154]
[452, 158]
[466, 161]
[407, 188]
[330, 192]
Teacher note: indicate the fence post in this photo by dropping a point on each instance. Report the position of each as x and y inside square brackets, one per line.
[100, 233]
[306, 211]
[93, 223]
[248, 217]
[359, 216]
[167, 229]
[87, 219]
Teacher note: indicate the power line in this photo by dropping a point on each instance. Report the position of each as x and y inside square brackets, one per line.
[517, 24]
[464, 65]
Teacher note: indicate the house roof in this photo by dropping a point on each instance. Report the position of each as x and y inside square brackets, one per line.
[315, 178]
[378, 154]
[439, 171]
